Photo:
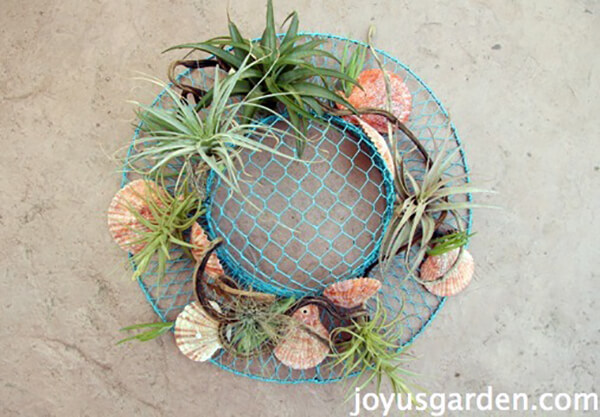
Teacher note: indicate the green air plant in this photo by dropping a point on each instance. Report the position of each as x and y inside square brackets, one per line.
[151, 331]
[421, 207]
[170, 217]
[283, 74]
[198, 141]
[371, 349]
[352, 67]
[449, 242]
[254, 324]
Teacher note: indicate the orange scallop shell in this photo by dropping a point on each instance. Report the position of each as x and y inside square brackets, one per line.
[458, 279]
[199, 238]
[374, 94]
[379, 142]
[123, 225]
[301, 349]
[352, 292]
[196, 333]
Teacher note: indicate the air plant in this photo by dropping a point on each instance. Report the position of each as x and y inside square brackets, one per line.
[197, 141]
[352, 67]
[372, 351]
[421, 207]
[170, 217]
[155, 330]
[249, 320]
[254, 324]
[448, 242]
[283, 75]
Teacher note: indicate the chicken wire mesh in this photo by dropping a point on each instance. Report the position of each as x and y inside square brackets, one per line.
[300, 225]
[303, 225]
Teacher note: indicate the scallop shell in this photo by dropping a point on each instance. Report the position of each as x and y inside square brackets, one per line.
[123, 225]
[374, 94]
[199, 238]
[352, 292]
[458, 279]
[301, 349]
[379, 142]
[196, 333]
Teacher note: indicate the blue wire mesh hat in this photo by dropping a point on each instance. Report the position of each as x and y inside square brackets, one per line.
[302, 225]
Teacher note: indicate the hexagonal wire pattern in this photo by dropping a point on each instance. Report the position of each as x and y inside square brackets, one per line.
[300, 225]
[336, 232]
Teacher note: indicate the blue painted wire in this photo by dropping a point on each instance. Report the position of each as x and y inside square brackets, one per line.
[158, 296]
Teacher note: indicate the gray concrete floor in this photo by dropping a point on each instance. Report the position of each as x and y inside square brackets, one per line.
[521, 81]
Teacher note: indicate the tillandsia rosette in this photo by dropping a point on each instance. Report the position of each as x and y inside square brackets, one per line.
[291, 208]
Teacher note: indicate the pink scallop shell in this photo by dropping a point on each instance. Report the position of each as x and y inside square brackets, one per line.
[352, 292]
[379, 142]
[374, 94]
[301, 349]
[458, 279]
[199, 238]
[123, 225]
[196, 333]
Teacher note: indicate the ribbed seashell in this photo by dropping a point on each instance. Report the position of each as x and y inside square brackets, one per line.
[351, 293]
[199, 238]
[301, 349]
[196, 333]
[379, 142]
[457, 280]
[374, 94]
[123, 225]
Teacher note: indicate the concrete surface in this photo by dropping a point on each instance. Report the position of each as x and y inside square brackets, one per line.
[521, 81]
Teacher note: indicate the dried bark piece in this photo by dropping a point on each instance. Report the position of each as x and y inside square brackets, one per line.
[199, 238]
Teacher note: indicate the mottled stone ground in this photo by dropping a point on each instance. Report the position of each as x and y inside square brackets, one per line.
[521, 82]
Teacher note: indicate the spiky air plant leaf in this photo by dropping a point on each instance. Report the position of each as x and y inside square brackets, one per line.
[448, 242]
[421, 207]
[352, 67]
[171, 215]
[254, 324]
[283, 74]
[212, 138]
[372, 350]
[151, 331]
